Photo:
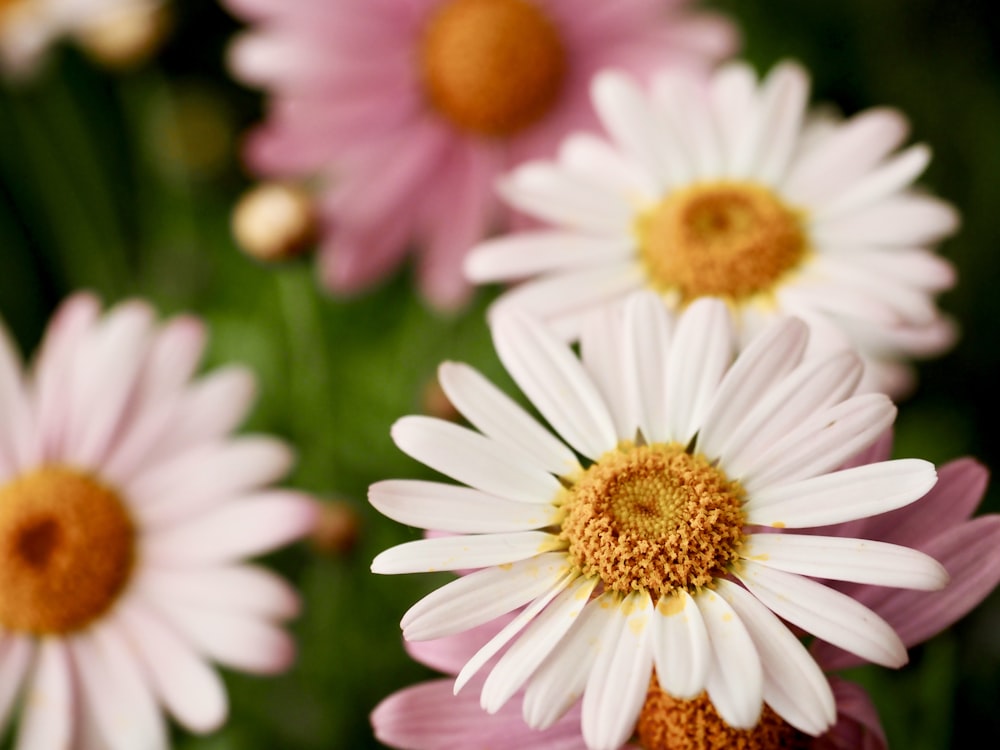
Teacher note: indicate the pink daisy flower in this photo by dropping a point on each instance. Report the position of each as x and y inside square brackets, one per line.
[406, 110]
[126, 510]
[430, 716]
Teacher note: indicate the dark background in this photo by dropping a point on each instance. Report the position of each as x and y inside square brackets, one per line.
[123, 182]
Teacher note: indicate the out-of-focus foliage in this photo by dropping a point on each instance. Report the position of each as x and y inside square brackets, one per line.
[124, 181]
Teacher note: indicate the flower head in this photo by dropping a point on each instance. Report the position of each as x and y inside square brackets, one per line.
[734, 190]
[126, 509]
[406, 112]
[656, 533]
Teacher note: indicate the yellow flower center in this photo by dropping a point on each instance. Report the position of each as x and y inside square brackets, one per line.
[727, 239]
[67, 546]
[492, 67]
[653, 518]
[666, 723]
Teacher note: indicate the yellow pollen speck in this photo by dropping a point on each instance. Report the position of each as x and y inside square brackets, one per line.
[778, 524]
[667, 723]
[67, 546]
[652, 518]
[671, 605]
[492, 67]
[735, 240]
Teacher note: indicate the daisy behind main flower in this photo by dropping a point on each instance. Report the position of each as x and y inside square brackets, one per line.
[126, 511]
[406, 112]
[647, 535]
[735, 190]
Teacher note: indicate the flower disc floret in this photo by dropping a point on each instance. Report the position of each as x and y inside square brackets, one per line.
[51, 522]
[492, 67]
[728, 239]
[652, 518]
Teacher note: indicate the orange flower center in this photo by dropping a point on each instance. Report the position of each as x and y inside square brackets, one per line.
[67, 546]
[652, 518]
[492, 67]
[727, 239]
[666, 723]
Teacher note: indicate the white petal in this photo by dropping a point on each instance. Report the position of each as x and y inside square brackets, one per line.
[825, 613]
[549, 193]
[890, 177]
[463, 552]
[702, 351]
[839, 559]
[562, 299]
[779, 118]
[593, 158]
[647, 331]
[682, 106]
[480, 596]
[560, 680]
[517, 256]
[626, 114]
[681, 648]
[733, 96]
[116, 692]
[16, 652]
[766, 360]
[902, 220]
[537, 641]
[250, 526]
[47, 717]
[735, 680]
[619, 679]
[499, 417]
[244, 589]
[794, 685]
[814, 385]
[554, 380]
[206, 476]
[507, 633]
[15, 443]
[821, 442]
[190, 689]
[235, 640]
[457, 509]
[858, 492]
[473, 459]
[851, 150]
[602, 351]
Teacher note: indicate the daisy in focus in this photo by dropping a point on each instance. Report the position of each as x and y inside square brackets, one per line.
[114, 32]
[655, 531]
[404, 113]
[126, 511]
[736, 190]
[428, 716]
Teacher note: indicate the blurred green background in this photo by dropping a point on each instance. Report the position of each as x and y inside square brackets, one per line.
[123, 182]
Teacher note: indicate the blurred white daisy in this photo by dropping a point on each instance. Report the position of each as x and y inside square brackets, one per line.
[655, 532]
[114, 32]
[734, 190]
[126, 509]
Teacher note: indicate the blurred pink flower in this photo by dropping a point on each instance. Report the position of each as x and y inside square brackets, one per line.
[126, 511]
[405, 111]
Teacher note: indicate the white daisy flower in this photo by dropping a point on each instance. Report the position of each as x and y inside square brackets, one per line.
[126, 508]
[655, 532]
[732, 189]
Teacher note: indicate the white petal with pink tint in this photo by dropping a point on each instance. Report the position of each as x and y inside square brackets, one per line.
[244, 588]
[190, 689]
[498, 416]
[254, 525]
[49, 702]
